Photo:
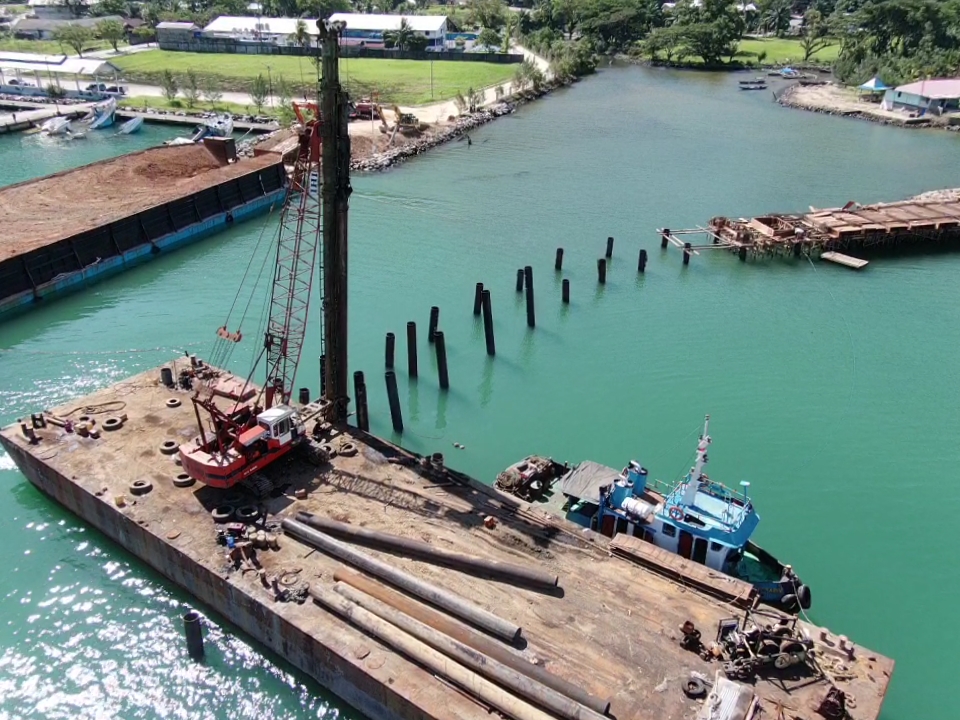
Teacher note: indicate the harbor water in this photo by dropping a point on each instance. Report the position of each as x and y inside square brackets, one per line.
[834, 393]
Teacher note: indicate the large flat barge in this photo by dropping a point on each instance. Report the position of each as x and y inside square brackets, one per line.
[611, 627]
[67, 229]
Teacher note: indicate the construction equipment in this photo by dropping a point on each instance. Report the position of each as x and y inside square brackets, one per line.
[365, 110]
[250, 429]
[752, 646]
[406, 122]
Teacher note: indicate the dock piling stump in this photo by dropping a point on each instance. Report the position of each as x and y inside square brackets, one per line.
[566, 291]
[360, 393]
[686, 253]
[602, 271]
[442, 360]
[478, 299]
[742, 254]
[528, 282]
[488, 324]
[389, 351]
[412, 349]
[796, 249]
[664, 238]
[193, 629]
[304, 396]
[393, 397]
[609, 253]
[434, 323]
[323, 376]
[558, 264]
[519, 279]
[642, 262]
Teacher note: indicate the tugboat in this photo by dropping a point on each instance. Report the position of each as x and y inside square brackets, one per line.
[699, 518]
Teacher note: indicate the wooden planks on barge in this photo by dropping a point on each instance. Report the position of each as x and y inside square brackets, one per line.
[675, 567]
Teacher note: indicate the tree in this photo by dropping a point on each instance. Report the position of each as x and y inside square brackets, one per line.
[510, 29]
[191, 88]
[775, 17]
[112, 31]
[418, 43]
[399, 38]
[109, 7]
[211, 91]
[73, 36]
[76, 7]
[489, 37]
[300, 35]
[170, 85]
[814, 34]
[487, 13]
[321, 8]
[259, 92]
[666, 40]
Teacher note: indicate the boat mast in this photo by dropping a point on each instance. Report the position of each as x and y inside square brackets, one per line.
[696, 472]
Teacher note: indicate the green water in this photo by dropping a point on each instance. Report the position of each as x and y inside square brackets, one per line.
[833, 392]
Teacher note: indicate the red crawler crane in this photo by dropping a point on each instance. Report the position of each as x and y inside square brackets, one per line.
[257, 428]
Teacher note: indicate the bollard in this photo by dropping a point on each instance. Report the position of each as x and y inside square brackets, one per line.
[742, 254]
[528, 281]
[488, 323]
[391, 345]
[686, 253]
[304, 396]
[558, 264]
[442, 360]
[566, 291]
[393, 398]
[664, 238]
[323, 376]
[412, 349]
[519, 279]
[434, 322]
[602, 271]
[609, 248]
[477, 299]
[642, 262]
[360, 393]
[194, 631]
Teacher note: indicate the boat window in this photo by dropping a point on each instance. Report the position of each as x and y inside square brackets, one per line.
[669, 530]
[621, 525]
[715, 547]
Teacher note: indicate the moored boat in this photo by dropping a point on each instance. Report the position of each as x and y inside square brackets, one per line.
[131, 126]
[698, 518]
[101, 115]
[56, 126]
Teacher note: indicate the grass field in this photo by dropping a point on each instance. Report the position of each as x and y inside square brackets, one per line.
[47, 47]
[783, 50]
[407, 82]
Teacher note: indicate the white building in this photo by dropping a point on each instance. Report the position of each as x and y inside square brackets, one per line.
[367, 30]
[937, 96]
[277, 31]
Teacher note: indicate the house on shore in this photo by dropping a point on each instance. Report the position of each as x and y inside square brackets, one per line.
[938, 96]
[368, 30]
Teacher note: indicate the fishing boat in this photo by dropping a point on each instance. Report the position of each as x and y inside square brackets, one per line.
[131, 126]
[56, 126]
[753, 86]
[698, 518]
[755, 81]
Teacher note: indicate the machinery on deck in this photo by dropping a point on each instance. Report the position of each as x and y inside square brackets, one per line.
[249, 429]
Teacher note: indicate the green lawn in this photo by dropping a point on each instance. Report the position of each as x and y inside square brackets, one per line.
[141, 102]
[47, 47]
[407, 82]
[784, 50]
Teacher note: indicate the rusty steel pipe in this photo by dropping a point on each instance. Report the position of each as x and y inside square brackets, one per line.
[426, 656]
[423, 551]
[521, 685]
[454, 604]
[468, 637]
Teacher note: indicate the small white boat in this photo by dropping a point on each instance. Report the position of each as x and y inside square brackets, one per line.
[220, 126]
[179, 141]
[131, 126]
[56, 126]
[102, 114]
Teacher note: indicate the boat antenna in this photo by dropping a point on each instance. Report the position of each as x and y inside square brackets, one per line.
[696, 472]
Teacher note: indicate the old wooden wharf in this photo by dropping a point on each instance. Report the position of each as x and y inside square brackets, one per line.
[825, 233]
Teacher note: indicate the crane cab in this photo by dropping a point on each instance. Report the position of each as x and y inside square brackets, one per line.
[278, 426]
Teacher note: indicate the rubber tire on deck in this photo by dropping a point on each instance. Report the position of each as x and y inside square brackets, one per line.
[169, 447]
[140, 487]
[248, 514]
[329, 450]
[347, 449]
[223, 513]
[694, 687]
[803, 596]
[112, 423]
[173, 403]
[183, 481]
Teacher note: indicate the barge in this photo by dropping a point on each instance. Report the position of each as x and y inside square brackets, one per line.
[65, 230]
[637, 639]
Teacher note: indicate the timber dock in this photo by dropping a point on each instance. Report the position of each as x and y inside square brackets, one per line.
[58, 234]
[829, 233]
[611, 628]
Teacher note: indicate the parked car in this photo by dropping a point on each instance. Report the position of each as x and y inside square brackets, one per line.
[21, 83]
[109, 89]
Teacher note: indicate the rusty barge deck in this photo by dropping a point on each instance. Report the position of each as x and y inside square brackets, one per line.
[612, 627]
[853, 228]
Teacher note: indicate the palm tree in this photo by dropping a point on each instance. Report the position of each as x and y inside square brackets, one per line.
[300, 36]
[400, 37]
[776, 18]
